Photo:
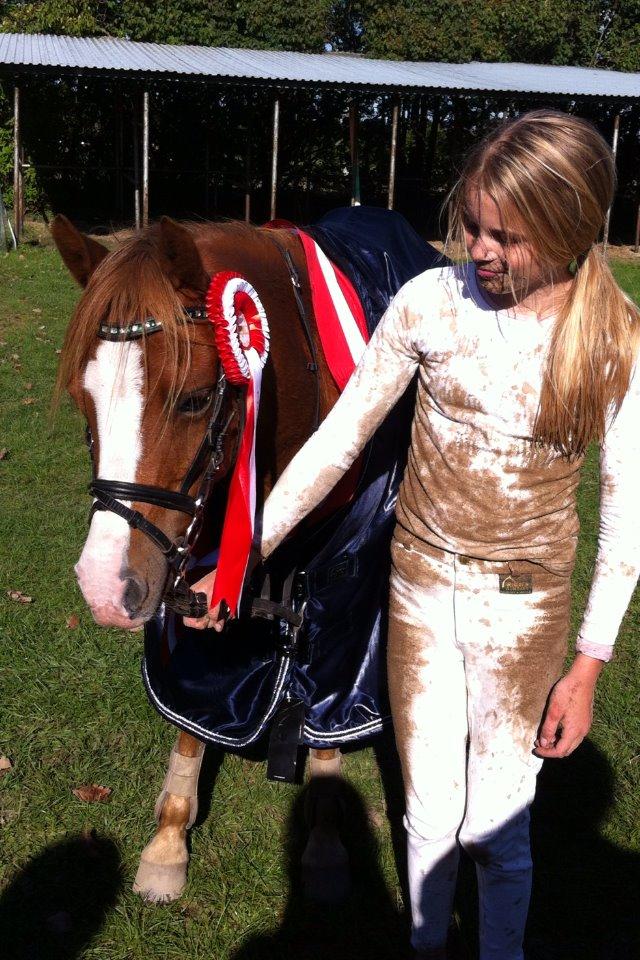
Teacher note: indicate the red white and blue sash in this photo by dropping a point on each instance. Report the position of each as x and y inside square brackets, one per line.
[338, 312]
[242, 340]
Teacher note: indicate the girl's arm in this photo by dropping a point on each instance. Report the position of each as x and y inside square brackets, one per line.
[568, 716]
[381, 377]
[618, 558]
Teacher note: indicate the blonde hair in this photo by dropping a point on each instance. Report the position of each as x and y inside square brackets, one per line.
[556, 174]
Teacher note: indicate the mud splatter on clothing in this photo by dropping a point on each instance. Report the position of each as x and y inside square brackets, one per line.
[467, 701]
[472, 657]
[475, 484]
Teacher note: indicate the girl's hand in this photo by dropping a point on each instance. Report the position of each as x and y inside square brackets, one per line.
[210, 618]
[569, 713]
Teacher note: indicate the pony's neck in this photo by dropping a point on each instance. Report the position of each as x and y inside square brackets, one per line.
[290, 389]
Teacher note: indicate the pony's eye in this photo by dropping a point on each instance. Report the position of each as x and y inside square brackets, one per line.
[194, 403]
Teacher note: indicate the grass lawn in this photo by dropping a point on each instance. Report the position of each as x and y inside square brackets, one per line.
[73, 711]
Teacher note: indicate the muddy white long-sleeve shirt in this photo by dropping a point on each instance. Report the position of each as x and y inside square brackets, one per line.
[474, 483]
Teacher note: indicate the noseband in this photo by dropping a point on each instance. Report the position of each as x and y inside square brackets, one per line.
[178, 595]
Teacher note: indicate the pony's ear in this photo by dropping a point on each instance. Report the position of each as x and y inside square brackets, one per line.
[80, 253]
[182, 261]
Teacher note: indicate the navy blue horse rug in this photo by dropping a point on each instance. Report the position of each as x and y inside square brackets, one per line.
[226, 689]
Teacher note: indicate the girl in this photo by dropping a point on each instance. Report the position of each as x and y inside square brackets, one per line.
[524, 356]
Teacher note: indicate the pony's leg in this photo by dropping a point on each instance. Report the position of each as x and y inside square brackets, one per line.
[162, 873]
[325, 862]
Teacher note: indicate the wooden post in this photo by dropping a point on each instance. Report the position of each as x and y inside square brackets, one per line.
[274, 156]
[120, 157]
[614, 150]
[145, 158]
[247, 178]
[394, 147]
[355, 160]
[17, 165]
[207, 160]
[136, 165]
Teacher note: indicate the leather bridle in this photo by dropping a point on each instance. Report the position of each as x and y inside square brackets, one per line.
[178, 595]
[206, 463]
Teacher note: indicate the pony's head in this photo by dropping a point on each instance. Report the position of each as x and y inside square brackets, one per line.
[147, 399]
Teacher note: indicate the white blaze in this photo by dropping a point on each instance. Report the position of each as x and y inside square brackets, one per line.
[114, 381]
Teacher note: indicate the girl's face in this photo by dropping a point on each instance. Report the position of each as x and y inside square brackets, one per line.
[506, 266]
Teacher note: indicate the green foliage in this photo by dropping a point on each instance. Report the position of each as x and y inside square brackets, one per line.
[74, 18]
[232, 23]
[458, 31]
[620, 46]
[33, 197]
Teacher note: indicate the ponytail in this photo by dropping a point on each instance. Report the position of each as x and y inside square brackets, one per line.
[593, 347]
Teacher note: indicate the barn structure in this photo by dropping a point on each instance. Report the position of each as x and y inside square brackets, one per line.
[142, 65]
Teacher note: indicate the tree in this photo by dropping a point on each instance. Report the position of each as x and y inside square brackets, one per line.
[271, 24]
[458, 31]
[74, 18]
[620, 36]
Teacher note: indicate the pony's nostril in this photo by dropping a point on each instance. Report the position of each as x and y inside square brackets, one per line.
[135, 593]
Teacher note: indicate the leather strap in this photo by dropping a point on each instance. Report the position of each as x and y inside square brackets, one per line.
[136, 520]
[304, 320]
[158, 496]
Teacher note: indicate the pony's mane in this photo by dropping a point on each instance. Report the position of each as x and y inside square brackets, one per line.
[129, 286]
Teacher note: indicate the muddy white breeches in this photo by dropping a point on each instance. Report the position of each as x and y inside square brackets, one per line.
[470, 669]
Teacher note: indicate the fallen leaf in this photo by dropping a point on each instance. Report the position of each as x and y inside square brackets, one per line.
[73, 621]
[42, 327]
[19, 596]
[92, 793]
[15, 356]
[4, 454]
[28, 401]
[5, 765]
[58, 352]
[37, 310]
[28, 386]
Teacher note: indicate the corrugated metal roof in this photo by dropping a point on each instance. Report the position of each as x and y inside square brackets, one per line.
[38, 52]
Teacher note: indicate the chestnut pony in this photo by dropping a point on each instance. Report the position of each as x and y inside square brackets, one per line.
[147, 403]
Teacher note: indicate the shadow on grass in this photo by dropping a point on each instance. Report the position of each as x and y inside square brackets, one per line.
[586, 896]
[59, 901]
[368, 926]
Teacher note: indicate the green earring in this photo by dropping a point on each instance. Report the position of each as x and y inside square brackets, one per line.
[573, 267]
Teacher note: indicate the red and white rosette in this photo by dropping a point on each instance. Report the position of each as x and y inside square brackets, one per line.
[242, 340]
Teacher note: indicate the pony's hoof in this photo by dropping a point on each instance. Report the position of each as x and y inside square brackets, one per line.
[160, 882]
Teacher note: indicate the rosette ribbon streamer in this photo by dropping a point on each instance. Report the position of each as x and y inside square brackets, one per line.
[242, 340]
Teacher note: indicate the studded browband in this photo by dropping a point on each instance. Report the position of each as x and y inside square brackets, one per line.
[143, 328]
